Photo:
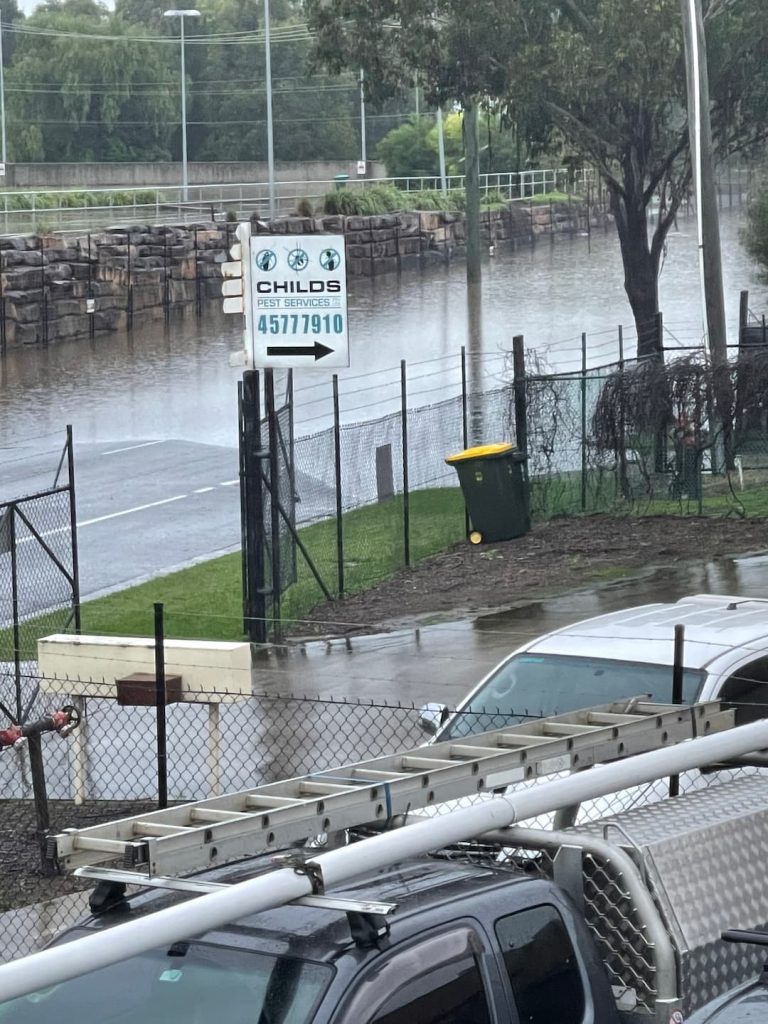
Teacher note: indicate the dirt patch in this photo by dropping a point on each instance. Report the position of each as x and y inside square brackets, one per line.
[556, 556]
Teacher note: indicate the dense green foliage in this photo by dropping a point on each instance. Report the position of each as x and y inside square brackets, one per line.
[86, 83]
[603, 78]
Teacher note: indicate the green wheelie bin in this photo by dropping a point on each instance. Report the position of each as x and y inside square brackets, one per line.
[495, 487]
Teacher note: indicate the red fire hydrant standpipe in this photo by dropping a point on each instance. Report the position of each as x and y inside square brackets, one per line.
[62, 722]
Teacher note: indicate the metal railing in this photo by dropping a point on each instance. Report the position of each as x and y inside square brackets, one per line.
[59, 210]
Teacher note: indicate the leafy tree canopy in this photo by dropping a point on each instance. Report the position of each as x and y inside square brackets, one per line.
[606, 77]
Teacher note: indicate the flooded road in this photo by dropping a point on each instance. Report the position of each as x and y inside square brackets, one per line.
[176, 383]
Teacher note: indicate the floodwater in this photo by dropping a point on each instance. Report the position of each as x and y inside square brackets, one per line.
[176, 382]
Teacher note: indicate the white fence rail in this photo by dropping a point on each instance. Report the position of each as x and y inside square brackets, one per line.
[76, 209]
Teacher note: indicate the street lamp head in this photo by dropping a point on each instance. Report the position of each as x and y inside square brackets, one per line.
[181, 14]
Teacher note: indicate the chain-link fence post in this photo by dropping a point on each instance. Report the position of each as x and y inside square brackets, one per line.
[406, 495]
[337, 482]
[73, 528]
[464, 422]
[252, 509]
[583, 390]
[162, 738]
[274, 499]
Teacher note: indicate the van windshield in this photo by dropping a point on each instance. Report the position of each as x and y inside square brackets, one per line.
[537, 685]
[205, 984]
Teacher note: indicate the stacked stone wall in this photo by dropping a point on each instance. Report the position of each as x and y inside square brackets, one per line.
[54, 288]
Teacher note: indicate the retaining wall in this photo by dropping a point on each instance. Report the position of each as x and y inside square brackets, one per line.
[53, 288]
[50, 177]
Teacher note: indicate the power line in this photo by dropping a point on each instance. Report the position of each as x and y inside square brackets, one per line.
[289, 33]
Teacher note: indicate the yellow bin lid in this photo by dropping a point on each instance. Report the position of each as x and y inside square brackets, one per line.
[480, 452]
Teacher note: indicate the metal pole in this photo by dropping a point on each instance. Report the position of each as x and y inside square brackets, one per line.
[363, 150]
[337, 474]
[441, 151]
[184, 178]
[520, 397]
[73, 528]
[162, 753]
[406, 496]
[584, 423]
[464, 422]
[274, 495]
[11, 513]
[270, 132]
[3, 147]
[677, 691]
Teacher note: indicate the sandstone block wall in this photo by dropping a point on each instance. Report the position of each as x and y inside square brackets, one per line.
[53, 288]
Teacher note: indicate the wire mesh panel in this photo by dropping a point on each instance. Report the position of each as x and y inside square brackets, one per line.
[38, 569]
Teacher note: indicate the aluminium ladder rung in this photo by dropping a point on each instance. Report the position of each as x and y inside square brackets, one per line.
[190, 837]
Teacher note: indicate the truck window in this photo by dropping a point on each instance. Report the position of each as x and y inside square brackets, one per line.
[747, 691]
[542, 967]
[435, 981]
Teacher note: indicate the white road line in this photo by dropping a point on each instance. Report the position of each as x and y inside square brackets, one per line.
[128, 511]
[132, 447]
[202, 490]
[229, 483]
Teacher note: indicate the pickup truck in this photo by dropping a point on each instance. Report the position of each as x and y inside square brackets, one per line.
[467, 945]
[617, 921]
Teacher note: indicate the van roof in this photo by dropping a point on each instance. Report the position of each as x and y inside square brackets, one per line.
[714, 625]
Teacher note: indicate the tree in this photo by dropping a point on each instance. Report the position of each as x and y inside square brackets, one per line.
[610, 76]
[606, 75]
[410, 149]
[73, 96]
[756, 232]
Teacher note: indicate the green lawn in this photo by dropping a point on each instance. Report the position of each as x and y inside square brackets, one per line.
[206, 599]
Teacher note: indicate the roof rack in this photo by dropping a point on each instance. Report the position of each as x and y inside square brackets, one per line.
[194, 836]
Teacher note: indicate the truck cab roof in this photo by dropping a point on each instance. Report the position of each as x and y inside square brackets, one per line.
[419, 887]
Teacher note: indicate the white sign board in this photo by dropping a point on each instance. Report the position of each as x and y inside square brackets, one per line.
[361, 167]
[298, 301]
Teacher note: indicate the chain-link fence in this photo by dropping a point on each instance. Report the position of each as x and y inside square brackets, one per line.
[38, 565]
[107, 769]
[648, 436]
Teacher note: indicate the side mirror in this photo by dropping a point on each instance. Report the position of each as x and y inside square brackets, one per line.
[432, 717]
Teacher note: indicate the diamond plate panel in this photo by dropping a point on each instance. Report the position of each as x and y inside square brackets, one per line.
[705, 858]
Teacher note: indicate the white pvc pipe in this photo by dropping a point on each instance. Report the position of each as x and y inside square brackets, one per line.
[60, 963]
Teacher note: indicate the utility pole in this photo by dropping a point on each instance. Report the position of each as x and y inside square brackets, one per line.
[270, 126]
[708, 225]
[472, 185]
[363, 150]
[4, 153]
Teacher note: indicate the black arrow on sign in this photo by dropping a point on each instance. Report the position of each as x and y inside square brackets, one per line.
[317, 350]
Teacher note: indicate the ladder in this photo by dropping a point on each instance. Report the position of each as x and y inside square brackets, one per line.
[194, 836]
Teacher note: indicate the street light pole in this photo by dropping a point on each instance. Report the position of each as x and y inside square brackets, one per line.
[181, 15]
[4, 152]
[270, 129]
